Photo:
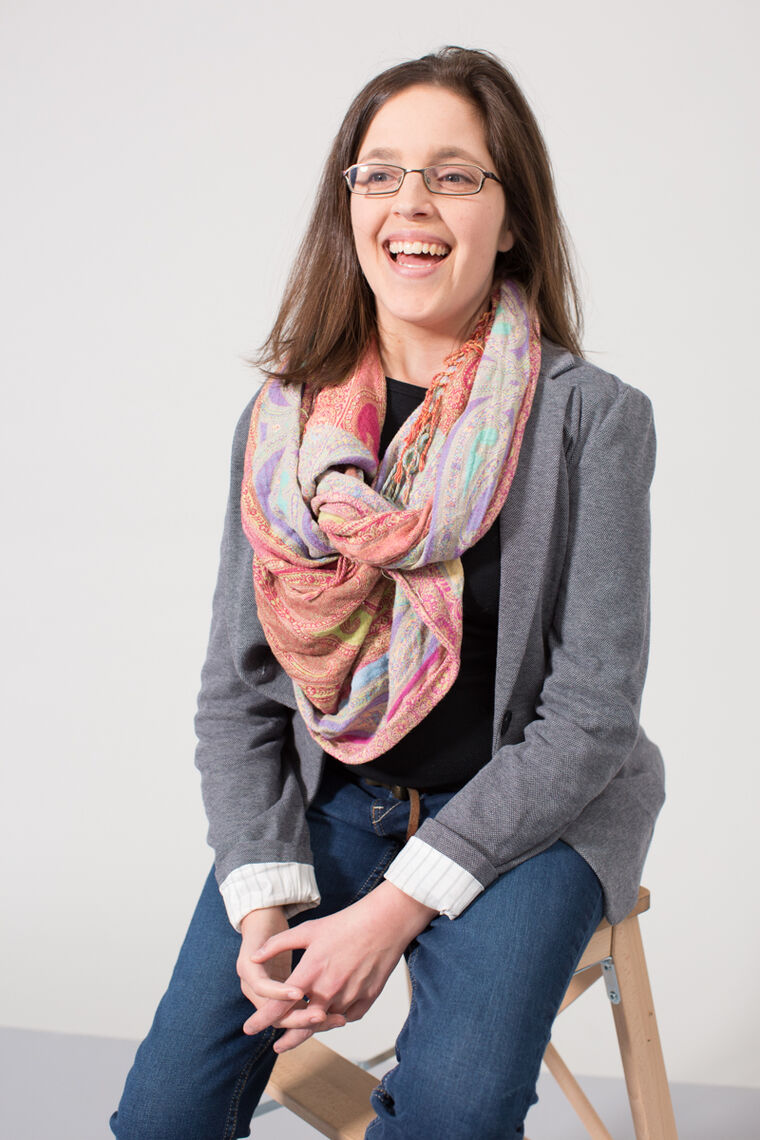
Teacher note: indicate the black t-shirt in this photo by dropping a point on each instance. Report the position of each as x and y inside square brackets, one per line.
[454, 740]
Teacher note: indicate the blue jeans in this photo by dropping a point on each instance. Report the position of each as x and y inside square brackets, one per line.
[486, 989]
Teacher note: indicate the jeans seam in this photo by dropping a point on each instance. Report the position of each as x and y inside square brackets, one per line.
[230, 1124]
[413, 995]
[380, 1089]
[377, 819]
[375, 875]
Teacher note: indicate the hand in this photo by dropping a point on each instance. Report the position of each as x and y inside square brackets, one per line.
[267, 984]
[347, 960]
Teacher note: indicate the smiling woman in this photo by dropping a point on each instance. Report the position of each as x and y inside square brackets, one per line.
[418, 722]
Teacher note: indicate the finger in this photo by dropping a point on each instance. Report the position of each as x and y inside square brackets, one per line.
[280, 991]
[290, 1039]
[270, 1008]
[267, 1013]
[294, 939]
[304, 1019]
[295, 1037]
[358, 1009]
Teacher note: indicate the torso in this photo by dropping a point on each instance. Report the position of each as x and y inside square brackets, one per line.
[454, 740]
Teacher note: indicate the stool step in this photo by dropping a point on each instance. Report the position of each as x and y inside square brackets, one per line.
[324, 1089]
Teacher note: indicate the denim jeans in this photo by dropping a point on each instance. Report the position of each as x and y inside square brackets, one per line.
[486, 987]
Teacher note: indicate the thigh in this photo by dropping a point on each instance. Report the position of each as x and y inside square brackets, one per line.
[197, 1076]
[486, 988]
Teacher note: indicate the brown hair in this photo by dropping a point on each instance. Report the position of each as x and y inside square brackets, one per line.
[327, 316]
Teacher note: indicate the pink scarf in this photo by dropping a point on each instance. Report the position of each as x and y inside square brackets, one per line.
[356, 565]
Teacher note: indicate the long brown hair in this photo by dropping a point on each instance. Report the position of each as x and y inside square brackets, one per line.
[327, 316]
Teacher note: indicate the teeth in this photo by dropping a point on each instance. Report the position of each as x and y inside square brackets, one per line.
[418, 247]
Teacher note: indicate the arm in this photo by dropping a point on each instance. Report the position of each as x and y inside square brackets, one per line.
[251, 787]
[586, 722]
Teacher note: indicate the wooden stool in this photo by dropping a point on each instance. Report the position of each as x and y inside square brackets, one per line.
[332, 1094]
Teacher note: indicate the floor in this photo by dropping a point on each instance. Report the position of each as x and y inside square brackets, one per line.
[64, 1087]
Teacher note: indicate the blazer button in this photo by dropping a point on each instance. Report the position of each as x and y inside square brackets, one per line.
[506, 721]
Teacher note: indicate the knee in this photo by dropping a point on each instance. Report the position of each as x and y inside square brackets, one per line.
[450, 1106]
[157, 1109]
[169, 1095]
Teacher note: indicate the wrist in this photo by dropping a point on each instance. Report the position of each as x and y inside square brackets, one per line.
[263, 916]
[402, 910]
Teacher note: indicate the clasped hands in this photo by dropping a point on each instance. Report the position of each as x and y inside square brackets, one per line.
[348, 957]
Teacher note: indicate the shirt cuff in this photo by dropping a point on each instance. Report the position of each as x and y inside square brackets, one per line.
[293, 886]
[432, 878]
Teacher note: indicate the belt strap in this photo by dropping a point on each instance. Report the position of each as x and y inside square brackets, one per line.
[414, 812]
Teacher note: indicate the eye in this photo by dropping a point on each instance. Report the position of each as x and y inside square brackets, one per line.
[456, 177]
[374, 178]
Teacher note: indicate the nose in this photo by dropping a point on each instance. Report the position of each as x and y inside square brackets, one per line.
[413, 198]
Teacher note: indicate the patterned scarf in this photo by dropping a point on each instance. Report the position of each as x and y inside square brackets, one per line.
[356, 564]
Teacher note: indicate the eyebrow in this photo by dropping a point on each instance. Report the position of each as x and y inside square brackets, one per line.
[385, 154]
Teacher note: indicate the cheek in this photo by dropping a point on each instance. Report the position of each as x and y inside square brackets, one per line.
[364, 220]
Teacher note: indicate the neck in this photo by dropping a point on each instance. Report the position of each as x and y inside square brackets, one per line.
[415, 359]
[417, 355]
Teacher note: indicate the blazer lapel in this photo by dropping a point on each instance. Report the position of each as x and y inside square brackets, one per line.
[525, 527]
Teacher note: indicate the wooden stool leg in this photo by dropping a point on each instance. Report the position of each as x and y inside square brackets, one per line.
[588, 1115]
[640, 1049]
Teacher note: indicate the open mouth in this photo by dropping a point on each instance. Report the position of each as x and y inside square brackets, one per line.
[417, 252]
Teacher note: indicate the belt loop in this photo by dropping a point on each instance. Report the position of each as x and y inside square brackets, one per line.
[414, 812]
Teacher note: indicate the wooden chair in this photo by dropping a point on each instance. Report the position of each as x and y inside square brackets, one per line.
[332, 1094]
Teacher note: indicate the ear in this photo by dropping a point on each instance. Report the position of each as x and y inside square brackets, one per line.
[506, 236]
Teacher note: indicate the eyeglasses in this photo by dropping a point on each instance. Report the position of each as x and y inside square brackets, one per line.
[375, 178]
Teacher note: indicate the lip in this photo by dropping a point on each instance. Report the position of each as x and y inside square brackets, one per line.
[415, 271]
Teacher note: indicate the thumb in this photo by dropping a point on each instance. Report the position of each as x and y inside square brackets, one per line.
[296, 938]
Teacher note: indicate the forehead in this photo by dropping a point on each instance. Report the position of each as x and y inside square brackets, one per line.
[425, 124]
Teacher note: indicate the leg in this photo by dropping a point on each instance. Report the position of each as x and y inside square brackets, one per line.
[486, 988]
[197, 1076]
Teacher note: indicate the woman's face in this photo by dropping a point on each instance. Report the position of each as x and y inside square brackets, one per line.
[419, 127]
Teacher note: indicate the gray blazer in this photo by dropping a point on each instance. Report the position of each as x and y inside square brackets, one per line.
[569, 760]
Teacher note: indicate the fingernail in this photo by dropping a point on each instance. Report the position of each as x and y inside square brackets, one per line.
[294, 993]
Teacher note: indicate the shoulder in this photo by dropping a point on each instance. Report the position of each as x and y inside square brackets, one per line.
[240, 437]
[591, 404]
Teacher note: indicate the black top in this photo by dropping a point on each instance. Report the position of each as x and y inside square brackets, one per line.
[454, 739]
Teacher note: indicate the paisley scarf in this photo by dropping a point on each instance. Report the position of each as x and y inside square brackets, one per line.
[356, 563]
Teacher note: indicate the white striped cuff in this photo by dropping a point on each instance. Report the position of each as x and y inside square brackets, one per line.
[432, 878]
[292, 886]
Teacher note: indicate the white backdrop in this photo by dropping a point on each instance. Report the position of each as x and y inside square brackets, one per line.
[143, 253]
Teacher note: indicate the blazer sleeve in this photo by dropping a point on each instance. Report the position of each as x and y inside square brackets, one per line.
[250, 782]
[587, 719]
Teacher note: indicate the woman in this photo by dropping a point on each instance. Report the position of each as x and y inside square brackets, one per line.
[418, 724]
